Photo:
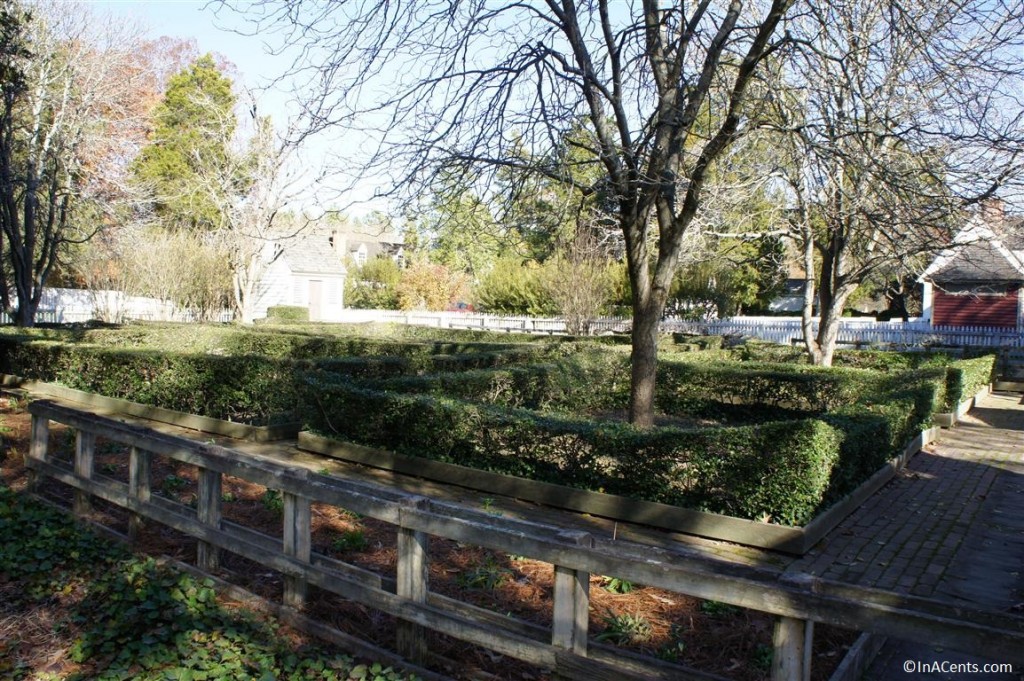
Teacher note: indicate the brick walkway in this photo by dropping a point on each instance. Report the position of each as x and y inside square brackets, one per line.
[951, 526]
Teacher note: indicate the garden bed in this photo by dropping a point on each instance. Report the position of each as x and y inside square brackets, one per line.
[626, 619]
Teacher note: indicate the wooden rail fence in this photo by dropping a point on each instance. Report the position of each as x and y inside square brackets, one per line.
[564, 647]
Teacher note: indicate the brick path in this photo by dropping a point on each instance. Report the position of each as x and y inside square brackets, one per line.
[951, 526]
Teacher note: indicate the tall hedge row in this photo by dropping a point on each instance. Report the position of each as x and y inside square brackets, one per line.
[777, 471]
[254, 389]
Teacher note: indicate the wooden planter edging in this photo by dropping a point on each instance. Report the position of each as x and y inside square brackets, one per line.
[238, 431]
[795, 540]
[948, 420]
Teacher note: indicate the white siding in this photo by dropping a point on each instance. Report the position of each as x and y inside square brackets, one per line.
[275, 289]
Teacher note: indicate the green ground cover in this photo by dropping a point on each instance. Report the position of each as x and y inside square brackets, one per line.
[121, 616]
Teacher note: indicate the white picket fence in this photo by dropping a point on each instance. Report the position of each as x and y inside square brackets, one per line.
[855, 332]
[66, 306]
[483, 322]
[70, 305]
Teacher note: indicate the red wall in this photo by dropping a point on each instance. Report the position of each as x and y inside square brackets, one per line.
[975, 310]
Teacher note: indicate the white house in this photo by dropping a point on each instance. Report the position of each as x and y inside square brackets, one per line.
[304, 271]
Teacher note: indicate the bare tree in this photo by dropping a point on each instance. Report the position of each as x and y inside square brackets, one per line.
[490, 86]
[579, 281]
[258, 182]
[63, 138]
[896, 117]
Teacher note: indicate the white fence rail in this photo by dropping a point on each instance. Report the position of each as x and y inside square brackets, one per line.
[70, 305]
[783, 330]
[485, 322]
[66, 306]
[911, 334]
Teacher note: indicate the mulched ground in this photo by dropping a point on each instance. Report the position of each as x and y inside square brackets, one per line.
[708, 636]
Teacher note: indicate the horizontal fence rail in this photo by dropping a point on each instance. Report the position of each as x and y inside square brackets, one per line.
[912, 334]
[796, 601]
[783, 330]
[72, 305]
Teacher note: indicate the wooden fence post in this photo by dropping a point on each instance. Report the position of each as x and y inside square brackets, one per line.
[85, 455]
[138, 486]
[570, 619]
[208, 513]
[791, 659]
[297, 544]
[38, 449]
[412, 580]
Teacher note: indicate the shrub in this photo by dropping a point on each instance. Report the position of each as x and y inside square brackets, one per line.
[779, 471]
[245, 389]
[248, 388]
[966, 377]
[287, 314]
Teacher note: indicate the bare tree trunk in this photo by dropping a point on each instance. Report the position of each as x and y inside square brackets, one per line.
[828, 331]
[644, 360]
[807, 314]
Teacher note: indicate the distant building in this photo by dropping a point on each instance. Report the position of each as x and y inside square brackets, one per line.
[304, 271]
[360, 243]
[977, 282]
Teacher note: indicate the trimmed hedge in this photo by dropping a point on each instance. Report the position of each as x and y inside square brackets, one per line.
[966, 377]
[288, 314]
[283, 342]
[588, 382]
[782, 471]
[868, 417]
[254, 390]
[773, 471]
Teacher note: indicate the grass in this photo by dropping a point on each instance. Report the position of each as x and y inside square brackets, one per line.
[117, 616]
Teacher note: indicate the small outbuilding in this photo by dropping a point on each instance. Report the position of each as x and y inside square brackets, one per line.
[978, 281]
[304, 271]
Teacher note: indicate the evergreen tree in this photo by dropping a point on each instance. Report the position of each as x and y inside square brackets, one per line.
[190, 142]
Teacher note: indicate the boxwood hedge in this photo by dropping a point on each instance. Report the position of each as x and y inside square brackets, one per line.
[966, 377]
[592, 381]
[248, 388]
[783, 471]
[526, 419]
[778, 471]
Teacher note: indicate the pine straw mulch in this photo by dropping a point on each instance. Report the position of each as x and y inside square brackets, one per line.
[708, 636]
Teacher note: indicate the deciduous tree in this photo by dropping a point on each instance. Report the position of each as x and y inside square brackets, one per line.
[489, 86]
[896, 117]
[67, 115]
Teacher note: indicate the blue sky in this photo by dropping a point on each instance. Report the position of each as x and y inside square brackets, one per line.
[191, 19]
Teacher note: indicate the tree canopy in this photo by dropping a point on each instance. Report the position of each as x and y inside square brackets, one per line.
[190, 142]
[488, 87]
[67, 121]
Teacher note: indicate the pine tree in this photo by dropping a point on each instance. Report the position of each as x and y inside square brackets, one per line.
[193, 128]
